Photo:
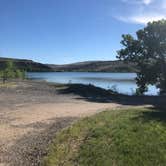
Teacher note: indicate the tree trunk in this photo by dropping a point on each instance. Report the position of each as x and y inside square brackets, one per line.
[4, 80]
[163, 70]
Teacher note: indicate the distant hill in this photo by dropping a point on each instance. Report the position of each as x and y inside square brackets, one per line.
[88, 66]
[96, 66]
[25, 64]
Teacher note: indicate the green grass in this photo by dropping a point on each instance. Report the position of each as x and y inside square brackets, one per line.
[131, 137]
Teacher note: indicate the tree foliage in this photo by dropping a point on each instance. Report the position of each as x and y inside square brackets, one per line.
[148, 51]
[11, 72]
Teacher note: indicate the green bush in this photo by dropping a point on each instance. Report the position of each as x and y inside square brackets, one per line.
[11, 72]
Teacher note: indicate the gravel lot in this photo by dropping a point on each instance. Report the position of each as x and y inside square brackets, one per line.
[31, 113]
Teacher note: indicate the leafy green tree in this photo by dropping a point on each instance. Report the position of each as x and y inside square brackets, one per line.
[148, 51]
[11, 72]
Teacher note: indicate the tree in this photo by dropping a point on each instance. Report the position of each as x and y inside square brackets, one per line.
[11, 71]
[148, 51]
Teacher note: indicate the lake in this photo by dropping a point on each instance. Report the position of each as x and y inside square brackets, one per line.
[121, 82]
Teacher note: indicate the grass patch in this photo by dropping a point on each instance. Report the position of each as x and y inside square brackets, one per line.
[112, 138]
[7, 85]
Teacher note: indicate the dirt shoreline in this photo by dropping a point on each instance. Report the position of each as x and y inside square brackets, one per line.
[31, 112]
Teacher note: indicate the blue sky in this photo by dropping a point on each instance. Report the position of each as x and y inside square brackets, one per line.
[66, 31]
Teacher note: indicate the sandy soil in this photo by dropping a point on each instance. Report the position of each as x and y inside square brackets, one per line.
[30, 115]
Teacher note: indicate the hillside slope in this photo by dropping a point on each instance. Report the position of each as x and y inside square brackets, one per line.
[88, 66]
[25, 64]
[96, 66]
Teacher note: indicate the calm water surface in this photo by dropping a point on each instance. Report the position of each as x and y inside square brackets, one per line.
[122, 82]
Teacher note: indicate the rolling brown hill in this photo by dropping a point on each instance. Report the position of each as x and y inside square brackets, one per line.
[88, 66]
[24, 64]
[96, 66]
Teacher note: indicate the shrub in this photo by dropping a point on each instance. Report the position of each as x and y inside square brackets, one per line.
[11, 72]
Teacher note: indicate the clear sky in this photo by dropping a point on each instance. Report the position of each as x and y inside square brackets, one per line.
[65, 31]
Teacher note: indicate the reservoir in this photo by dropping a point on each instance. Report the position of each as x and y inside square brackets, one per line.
[122, 82]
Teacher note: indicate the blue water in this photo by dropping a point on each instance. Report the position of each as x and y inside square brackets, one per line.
[121, 82]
